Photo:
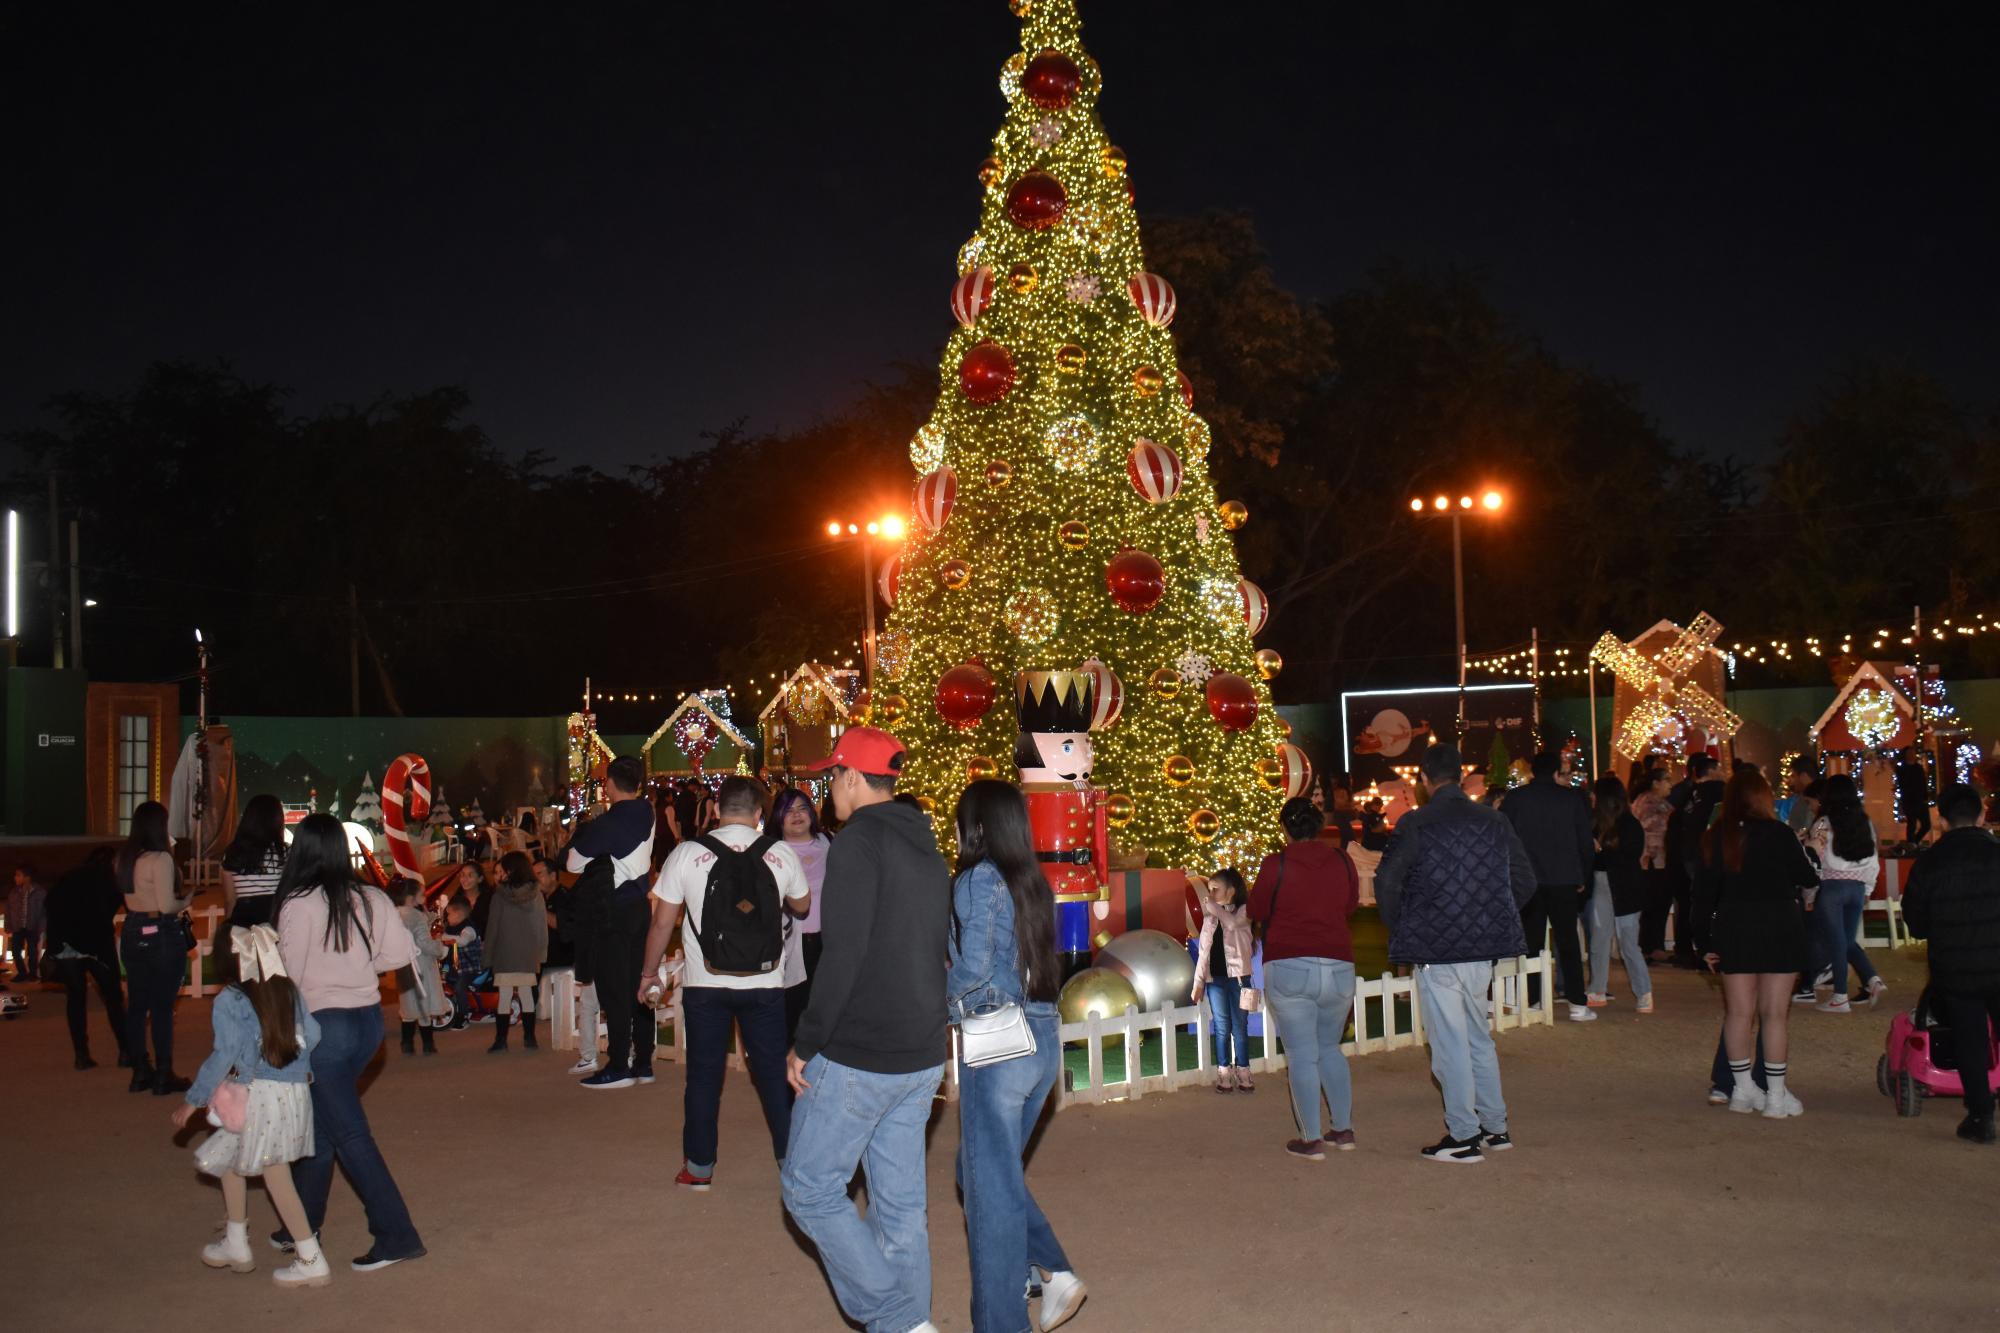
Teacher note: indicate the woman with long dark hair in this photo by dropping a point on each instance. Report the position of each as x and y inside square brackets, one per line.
[1621, 844]
[254, 862]
[793, 818]
[153, 947]
[338, 936]
[1749, 920]
[1003, 951]
[1843, 837]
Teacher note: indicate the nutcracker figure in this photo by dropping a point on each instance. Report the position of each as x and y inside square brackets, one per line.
[1065, 813]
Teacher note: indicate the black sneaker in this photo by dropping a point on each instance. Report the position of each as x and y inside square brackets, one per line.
[375, 1259]
[1500, 1142]
[1974, 1130]
[1449, 1149]
[606, 1079]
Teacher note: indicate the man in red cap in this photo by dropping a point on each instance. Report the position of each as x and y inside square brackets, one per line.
[871, 1044]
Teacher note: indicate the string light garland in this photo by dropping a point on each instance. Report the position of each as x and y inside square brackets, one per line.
[1095, 373]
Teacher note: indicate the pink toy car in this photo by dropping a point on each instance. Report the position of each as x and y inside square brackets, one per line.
[1919, 1062]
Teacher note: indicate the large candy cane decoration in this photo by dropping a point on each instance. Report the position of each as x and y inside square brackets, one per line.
[410, 773]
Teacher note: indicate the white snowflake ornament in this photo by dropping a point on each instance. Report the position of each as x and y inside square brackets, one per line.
[1195, 668]
[1201, 528]
[1082, 288]
[1046, 133]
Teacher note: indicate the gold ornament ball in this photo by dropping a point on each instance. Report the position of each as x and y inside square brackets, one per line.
[1165, 683]
[1269, 773]
[980, 767]
[926, 804]
[927, 447]
[1112, 160]
[1020, 9]
[1097, 992]
[1284, 727]
[1196, 438]
[1147, 382]
[889, 709]
[1203, 825]
[954, 574]
[1119, 809]
[1069, 359]
[998, 473]
[970, 253]
[1010, 75]
[1269, 663]
[1234, 514]
[1178, 770]
[990, 172]
[1023, 278]
[1074, 535]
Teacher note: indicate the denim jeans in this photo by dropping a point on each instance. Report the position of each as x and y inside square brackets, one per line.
[348, 1039]
[1453, 997]
[1597, 934]
[1311, 999]
[880, 1267]
[998, 1107]
[1229, 1023]
[1839, 912]
[710, 1012]
[1637, 973]
[154, 966]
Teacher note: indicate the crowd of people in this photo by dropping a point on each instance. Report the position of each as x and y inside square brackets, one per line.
[805, 943]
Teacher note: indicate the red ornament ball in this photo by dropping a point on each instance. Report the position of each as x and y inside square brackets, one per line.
[986, 373]
[1050, 81]
[1187, 390]
[964, 693]
[1135, 580]
[1231, 701]
[1037, 201]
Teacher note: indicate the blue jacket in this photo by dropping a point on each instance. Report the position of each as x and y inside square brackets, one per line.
[1452, 883]
[239, 1045]
[985, 958]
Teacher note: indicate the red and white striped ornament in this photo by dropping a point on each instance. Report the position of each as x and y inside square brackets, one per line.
[890, 581]
[1154, 296]
[1155, 471]
[1107, 695]
[971, 294]
[1256, 609]
[936, 490]
[1295, 771]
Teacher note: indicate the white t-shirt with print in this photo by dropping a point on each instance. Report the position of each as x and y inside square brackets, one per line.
[684, 880]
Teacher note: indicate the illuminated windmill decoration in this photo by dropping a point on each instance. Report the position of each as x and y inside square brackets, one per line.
[1669, 683]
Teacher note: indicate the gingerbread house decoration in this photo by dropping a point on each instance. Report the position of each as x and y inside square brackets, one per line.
[1871, 714]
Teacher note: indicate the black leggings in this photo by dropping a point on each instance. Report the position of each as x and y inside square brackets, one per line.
[154, 967]
[76, 973]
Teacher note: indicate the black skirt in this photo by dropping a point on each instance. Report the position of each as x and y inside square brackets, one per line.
[1766, 936]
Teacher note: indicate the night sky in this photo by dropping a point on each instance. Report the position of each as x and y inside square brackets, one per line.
[620, 227]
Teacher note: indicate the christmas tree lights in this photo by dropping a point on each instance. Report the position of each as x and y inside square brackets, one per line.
[1083, 522]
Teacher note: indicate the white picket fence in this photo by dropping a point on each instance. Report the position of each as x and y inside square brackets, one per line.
[1374, 1021]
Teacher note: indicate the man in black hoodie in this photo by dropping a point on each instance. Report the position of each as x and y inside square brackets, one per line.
[1953, 900]
[871, 1044]
[612, 909]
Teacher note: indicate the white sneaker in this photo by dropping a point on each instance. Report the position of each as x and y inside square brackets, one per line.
[587, 1065]
[1876, 989]
[1835, 1005]
[233, 1254]
[1746, 1098]
[1579, 1013]
[1775, 1109]
[313, 1272]
[1717, 1097]
[1062, 1294]
[1645, 1004]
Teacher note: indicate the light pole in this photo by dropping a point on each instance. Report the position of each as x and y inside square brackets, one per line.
[1441, 506]
[887, 528]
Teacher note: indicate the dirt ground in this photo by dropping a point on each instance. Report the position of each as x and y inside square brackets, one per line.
[1630, 1204]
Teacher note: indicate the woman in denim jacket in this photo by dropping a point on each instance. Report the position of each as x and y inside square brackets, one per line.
[1002, 950]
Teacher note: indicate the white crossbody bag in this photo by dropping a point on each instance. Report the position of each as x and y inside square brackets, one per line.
[992, 1033]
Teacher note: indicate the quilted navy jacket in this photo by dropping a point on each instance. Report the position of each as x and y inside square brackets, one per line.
[1452, 884]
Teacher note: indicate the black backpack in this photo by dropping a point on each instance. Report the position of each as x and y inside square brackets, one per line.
[742, 920]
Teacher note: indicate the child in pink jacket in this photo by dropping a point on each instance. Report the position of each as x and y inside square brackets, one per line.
[1224, 973]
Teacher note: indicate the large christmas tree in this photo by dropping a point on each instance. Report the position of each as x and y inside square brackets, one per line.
[1064, 516]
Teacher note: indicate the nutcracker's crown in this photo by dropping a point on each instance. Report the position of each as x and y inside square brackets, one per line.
[1054, 700]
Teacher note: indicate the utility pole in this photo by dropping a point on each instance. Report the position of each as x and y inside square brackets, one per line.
[1458, 613]
[868, 600]
[75, 602]
[353, 652]
[53, 580]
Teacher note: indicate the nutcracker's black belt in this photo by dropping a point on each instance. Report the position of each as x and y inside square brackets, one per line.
[1075, 856]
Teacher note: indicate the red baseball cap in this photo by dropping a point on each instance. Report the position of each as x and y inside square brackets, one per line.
[865, 750]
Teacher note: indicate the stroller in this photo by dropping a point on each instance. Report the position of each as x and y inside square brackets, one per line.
[1919, 1061]
[469, 984]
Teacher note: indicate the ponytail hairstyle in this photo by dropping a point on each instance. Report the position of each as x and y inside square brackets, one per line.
[993, 826]
[1239, 893]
